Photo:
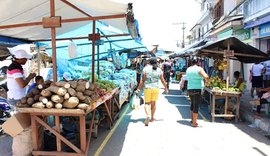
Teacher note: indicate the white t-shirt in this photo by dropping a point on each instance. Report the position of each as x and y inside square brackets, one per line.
[256, 69]
[152, 77]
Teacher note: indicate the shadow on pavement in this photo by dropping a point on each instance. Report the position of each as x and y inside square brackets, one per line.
[250, 131]
[114, 142]
[184, 122]
[137, 120]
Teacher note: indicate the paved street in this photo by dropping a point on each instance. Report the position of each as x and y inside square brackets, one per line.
[171, 134]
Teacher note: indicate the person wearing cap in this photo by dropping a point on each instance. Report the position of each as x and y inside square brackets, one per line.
[67, 76]
[16, 80]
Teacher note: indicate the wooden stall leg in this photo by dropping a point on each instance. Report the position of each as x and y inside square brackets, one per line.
[34, 133]
[58, 135]
[82, 133]
[213, 108]
[58, 129]
[237, 108]
[90, 130]
[226, 105]
[108, 113]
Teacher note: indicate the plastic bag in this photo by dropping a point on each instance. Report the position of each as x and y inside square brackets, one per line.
[135, 101]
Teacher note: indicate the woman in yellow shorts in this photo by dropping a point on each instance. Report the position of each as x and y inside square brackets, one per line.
[151, 76]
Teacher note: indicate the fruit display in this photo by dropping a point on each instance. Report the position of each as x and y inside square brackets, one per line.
[105, 86]
[218, 84]
[221, 64]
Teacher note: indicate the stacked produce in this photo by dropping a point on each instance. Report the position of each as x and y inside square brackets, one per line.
[106, 69]
[72, 94]
[221, 64]
[105, 86]
[218, 84]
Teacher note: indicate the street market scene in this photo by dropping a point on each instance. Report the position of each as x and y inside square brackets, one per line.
[129, 78]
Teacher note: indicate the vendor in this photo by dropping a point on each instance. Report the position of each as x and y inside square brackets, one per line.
[238, 82]
[16, 81]
[38, 80]
[67, 76]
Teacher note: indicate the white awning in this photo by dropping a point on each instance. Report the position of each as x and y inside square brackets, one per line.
[29, 11]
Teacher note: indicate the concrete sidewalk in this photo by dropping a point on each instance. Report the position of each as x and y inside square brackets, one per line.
[247, 114]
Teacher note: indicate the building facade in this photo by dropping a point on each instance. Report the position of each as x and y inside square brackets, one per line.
[247, 20]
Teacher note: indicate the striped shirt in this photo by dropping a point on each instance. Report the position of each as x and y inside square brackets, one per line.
[15, 71]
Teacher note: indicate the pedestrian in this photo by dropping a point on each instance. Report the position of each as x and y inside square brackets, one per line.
[195, 76]
[256, 72]
[264, 99]
[150, 79]
[166, 68]
[38, 80]
[16, 81]
[266, 75]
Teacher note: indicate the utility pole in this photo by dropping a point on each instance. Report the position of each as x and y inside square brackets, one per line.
[183, 28]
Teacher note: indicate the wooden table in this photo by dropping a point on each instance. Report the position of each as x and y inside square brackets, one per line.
[226, 94]
[37, 119]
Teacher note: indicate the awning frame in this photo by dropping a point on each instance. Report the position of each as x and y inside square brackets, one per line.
[53, 30]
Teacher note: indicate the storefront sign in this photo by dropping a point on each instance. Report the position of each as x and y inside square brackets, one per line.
[228, 53]
[225, 33]
[243, 34]
[265, 30]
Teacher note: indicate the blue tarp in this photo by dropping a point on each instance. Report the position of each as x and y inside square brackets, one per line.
[108, 46]
[10, 42]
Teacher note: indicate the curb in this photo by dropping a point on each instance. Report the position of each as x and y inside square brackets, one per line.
[260, 123]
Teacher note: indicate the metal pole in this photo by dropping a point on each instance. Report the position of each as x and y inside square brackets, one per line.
[98, 57]
[183, 43]
[93, 51]
[53, 35]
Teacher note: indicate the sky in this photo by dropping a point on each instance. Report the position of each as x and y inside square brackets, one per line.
[157, 20]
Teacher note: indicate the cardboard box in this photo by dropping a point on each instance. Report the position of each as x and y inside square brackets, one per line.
[16, 124]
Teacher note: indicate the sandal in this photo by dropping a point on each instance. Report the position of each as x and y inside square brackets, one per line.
[254, 102]
[194, 125]
[152, 119]
[146, 122]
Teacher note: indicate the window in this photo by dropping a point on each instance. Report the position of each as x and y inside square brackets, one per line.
[218, 10]
[252, 7]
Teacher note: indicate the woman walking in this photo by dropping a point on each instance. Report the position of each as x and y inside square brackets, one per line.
[195, 76]
[150, 78]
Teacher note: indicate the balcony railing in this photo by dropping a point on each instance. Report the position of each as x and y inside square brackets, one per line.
[253, 7]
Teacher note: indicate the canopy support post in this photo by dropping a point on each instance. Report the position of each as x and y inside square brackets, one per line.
[228, 67]
[38, 59]
[93, 51]
[53, 35]
[98, 57]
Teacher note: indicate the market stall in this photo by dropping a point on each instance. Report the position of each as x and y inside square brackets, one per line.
[61, 18]
[48, 105]
[222, 51]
